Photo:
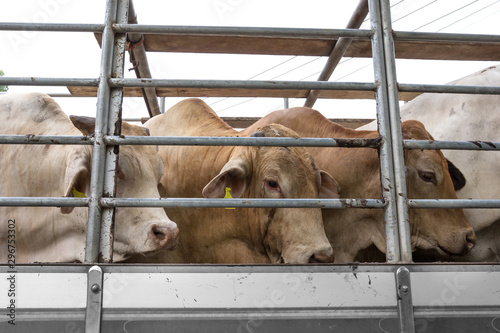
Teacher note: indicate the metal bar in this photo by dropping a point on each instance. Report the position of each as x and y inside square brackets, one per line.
[241, 141]
[113, 127]
[43, 202]
[386, 168]
[139, 59]
[396, 136]
[242, 31]
[242, 203]
[245, 84]
[286, 103]
[450, 89]
[47, 81]
[454, 203]
[405, 304]
[339, 49]
[99, 152]
[441, 37]
[61, 27]
[162, 104]
[202, 268]
[46, 139]
[93, 311]
[289, 203]
[453, 145]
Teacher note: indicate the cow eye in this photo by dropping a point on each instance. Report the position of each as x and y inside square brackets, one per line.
[272, 184]
[428, 176]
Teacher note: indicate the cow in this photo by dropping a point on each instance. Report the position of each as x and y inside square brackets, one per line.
[52, 234]
[357, 172]
[466, 117]
[241, 235]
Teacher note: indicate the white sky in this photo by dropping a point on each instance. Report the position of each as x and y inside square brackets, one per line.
[49, 54]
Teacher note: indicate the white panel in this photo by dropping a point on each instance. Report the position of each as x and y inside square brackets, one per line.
[248, 290]
[455, 288]
[45, 290]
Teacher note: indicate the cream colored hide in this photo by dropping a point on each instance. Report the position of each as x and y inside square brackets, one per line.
[241, 235]
[357, 172]
[466, 117]
[51, 234]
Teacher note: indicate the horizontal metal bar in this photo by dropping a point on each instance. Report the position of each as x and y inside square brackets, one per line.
[441, 37]
[246, 269]
[454, 203]
[46, 139]
[62, 27]
[242, 84]
[242, 203]
[453, 145]
[43, 202]
[47, 81]
[241, 141]
[242, 31]
[450, 89]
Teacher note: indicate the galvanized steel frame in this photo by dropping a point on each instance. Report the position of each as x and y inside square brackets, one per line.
[111, 82]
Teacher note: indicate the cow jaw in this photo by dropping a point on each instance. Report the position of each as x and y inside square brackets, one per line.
[452, 241]
[297, 243]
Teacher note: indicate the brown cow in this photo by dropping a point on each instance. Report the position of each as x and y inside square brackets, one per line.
[357, 172]
[241, 235]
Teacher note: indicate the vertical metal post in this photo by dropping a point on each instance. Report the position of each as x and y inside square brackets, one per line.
[114, 128]
[93, 312]
[396, 135]
[162, 104]
[101, 129]
[285, 103]
[386, 166]
[405, 303]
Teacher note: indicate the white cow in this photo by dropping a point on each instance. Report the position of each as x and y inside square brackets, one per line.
[466, 117]
[51, 234]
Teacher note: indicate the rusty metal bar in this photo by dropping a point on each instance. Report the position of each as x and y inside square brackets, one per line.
[387, 177]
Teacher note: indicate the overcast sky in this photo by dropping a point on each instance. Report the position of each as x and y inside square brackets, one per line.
[49, 54]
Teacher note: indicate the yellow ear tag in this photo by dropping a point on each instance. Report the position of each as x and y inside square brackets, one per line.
[228, 196]
[77, 194]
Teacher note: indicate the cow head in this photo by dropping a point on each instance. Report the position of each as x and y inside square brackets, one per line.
[137, 230]
[289, 235]
[431, 176]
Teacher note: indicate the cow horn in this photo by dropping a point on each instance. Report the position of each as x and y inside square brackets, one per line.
[257, 134]
[86, 125]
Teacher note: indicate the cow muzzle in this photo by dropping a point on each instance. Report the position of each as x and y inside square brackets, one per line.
[322, 257]
[462, 243]
[165, 237]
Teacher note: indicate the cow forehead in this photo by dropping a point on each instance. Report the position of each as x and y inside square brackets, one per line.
[294, 163]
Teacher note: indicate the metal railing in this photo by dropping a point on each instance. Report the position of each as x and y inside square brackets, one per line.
[391, 144]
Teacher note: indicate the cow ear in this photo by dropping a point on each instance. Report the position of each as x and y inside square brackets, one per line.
[330, 189]
[233, 175]
[86, 125]
[76, 179]
[457, 176]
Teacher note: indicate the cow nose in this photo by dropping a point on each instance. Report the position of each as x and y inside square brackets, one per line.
[322, 257]
[470, 238]
[165, 236]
